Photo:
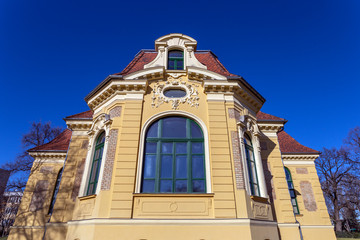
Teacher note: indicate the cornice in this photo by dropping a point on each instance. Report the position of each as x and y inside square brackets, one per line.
[299, 158]
[48, 156]
[270, 127]
[211, 86]
[117, 86]
[78, 124]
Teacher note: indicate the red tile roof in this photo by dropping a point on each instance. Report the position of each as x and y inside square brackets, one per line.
[265, 116]
[205, 57]
[59, 143]
[83, 115]
[290, 145]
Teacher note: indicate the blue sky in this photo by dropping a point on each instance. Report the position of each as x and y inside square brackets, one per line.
[302, 56]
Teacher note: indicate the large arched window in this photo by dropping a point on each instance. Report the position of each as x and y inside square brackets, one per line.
[174, 160]
[291, 191]
[250, 158]
[96, 164]
[176, 60]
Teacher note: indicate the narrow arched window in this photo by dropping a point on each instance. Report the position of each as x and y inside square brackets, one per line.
[174, 160]
[176, 60]
[291, 191]
[56, 190]
[250, 158]
[96, 164]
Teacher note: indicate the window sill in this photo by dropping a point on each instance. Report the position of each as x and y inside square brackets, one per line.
[87, 197]
[173, 194]
[259, 199]
[175, 71]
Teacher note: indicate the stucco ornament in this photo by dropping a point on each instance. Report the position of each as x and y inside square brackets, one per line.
[103, 121]
[175, 82]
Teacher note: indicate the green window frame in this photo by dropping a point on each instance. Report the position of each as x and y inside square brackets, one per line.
[291, 191]
[176, 60]
[174, 157]
[250, 159]
[96, 164]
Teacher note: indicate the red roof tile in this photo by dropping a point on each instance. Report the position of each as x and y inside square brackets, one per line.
[265, 116]
[82, 115]
[59, 143]
[212, 63]
[290, 145]
[205, 57]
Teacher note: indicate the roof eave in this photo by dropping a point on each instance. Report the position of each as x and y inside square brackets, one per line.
[242, 80]
[301, 153]
[102, 84]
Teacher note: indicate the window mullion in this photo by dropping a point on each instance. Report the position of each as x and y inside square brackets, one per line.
[173, 167]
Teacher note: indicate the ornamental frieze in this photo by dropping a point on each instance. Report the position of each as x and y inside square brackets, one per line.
[175, 91]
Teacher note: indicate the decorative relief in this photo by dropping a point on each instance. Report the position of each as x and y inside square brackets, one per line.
[260, 210]
[179, 207]
[175, 81]
[308, 196]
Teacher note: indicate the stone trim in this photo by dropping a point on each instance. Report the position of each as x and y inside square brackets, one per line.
[110, 157]
[308, 196]
[239, 176]
[115, 112]
[302, 170]
[78, 177]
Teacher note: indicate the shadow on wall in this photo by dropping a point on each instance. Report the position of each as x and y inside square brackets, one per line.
[38, 205]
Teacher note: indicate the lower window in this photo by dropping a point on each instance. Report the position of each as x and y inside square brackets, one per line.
[174, 160]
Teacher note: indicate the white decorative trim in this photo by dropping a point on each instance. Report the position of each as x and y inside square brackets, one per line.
[117, 87]
[175, 41]
[268, 129]
[205, 74]
[142, 144]
[317, 226]
[297, 157]
[114, 221]
[100, 124]
[215, 97]
[78, 125]
[112, 100]
[48, 157]
[288, 225]
[249, 125]
[286, 163]
[191, 97]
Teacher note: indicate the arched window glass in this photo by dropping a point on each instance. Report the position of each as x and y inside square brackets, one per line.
[253, 178]
[174, 160]
[56, 189]
[95, 164]
[291, 191]
[176, 60]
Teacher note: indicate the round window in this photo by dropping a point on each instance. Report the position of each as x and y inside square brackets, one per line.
[175, 93]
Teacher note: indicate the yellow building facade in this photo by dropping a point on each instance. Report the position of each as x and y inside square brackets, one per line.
[174, 147]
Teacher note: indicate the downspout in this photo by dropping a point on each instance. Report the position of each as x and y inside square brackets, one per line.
[63, 168]
[296, 221]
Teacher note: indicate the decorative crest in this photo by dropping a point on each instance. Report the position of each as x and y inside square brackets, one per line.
[175, 82]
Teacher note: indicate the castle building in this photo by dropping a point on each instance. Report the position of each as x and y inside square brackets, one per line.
[173, 147]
